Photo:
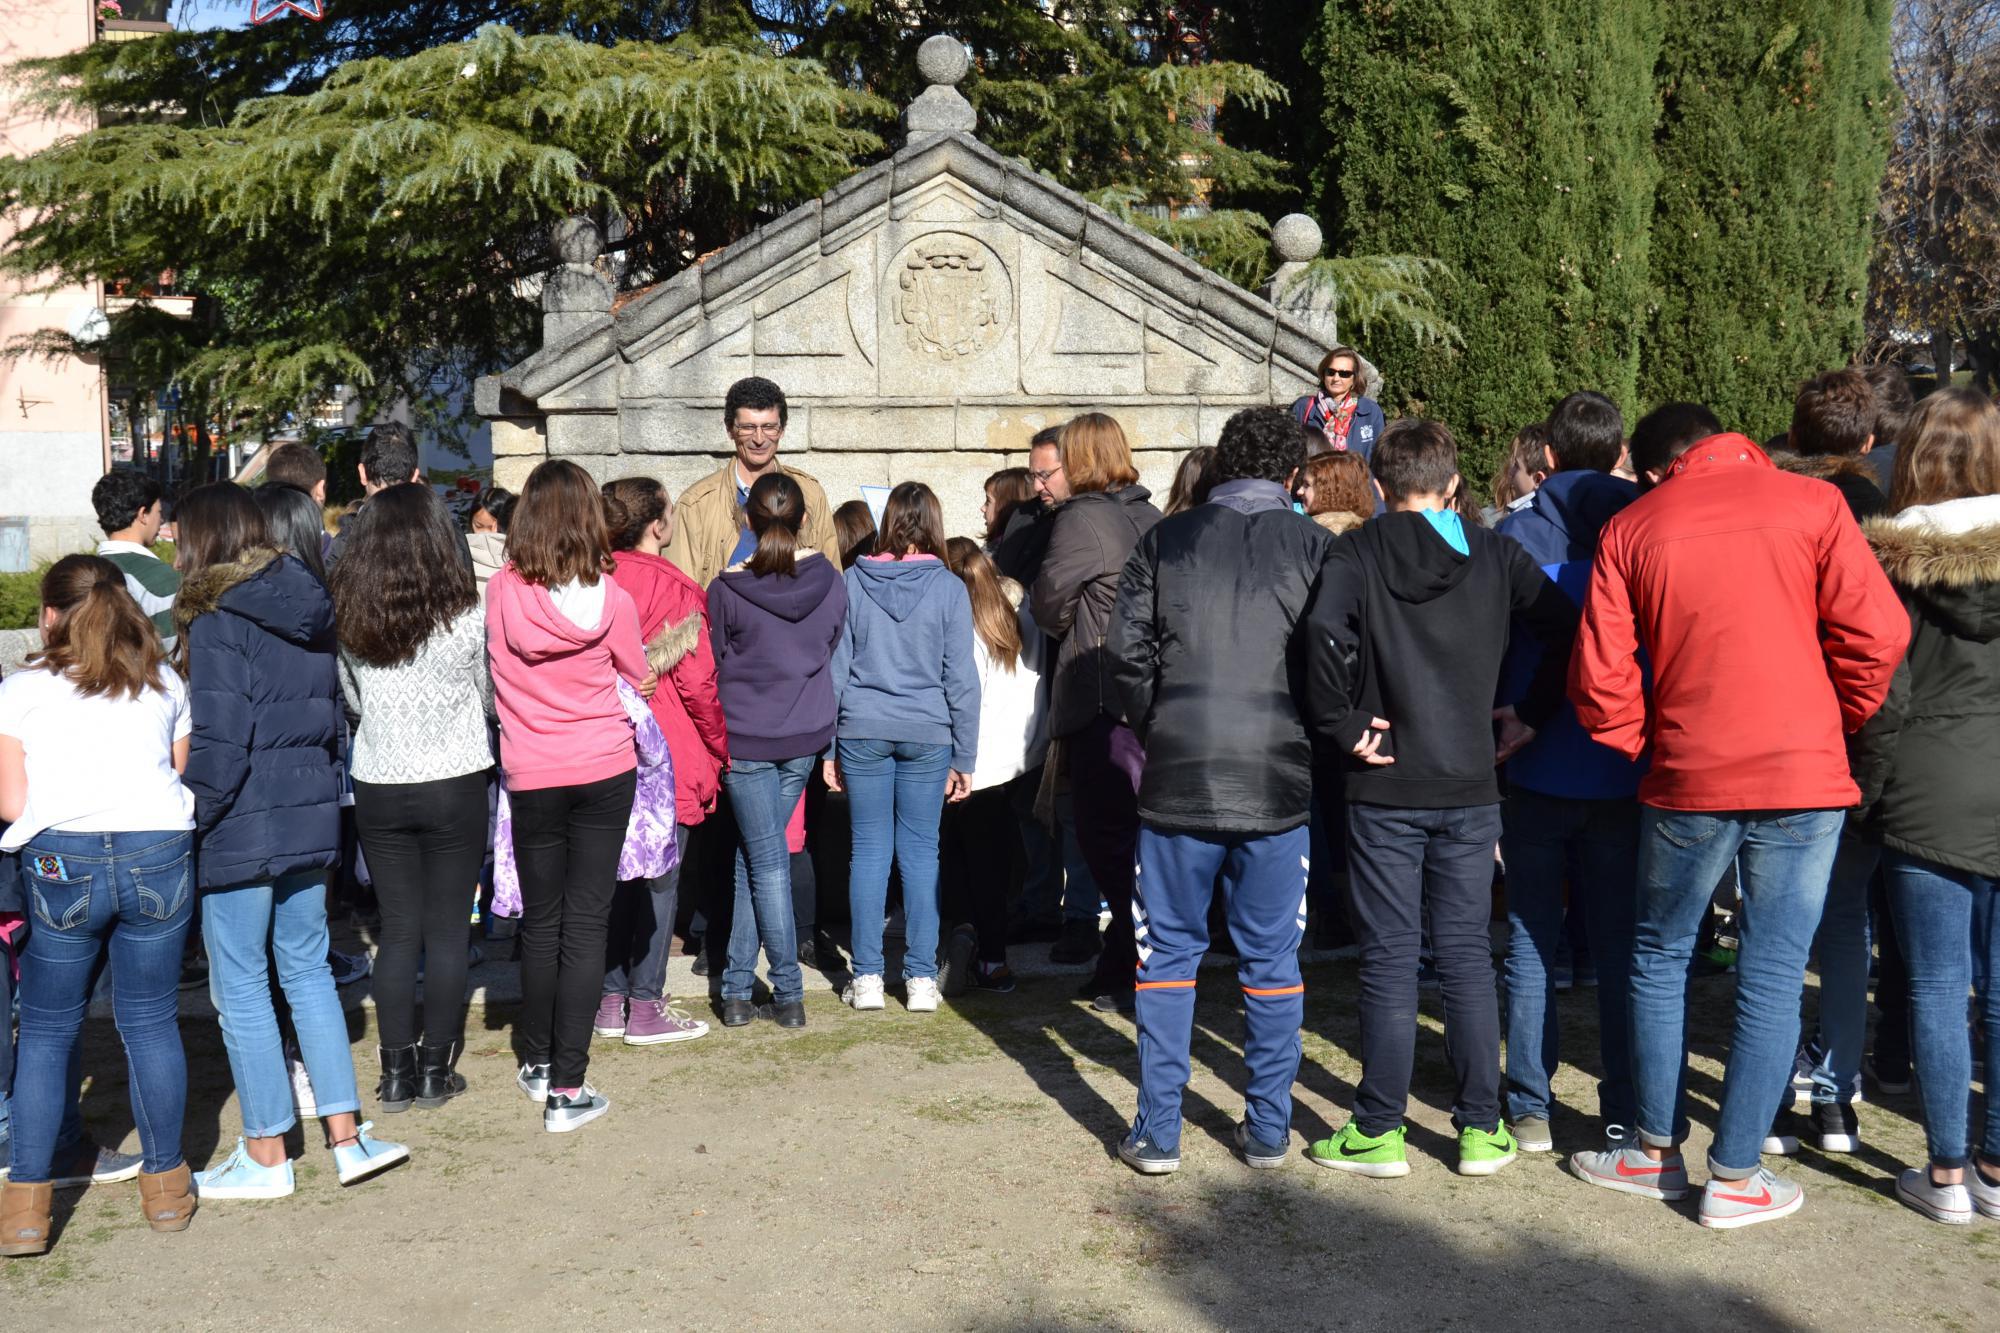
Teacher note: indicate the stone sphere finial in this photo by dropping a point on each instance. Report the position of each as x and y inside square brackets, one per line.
[1296, 238]
[942, 60]
[577, 240]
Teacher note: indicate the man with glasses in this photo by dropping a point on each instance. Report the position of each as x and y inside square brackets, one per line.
[709, 534]
[1348, 419]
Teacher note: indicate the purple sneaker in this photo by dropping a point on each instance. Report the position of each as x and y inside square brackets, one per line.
[610, 1021]
[657, 1022]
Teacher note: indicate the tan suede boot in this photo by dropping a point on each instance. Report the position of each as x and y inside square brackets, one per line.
[165, 1199]
[24, 1218]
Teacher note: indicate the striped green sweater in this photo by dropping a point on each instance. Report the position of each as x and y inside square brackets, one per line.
[151, 581]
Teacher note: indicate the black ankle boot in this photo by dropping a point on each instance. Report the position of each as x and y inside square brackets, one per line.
[399, 1079]
[438, 1080]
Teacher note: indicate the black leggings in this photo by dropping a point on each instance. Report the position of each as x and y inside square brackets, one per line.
[977, 845]
[425, 843]
[566, 845]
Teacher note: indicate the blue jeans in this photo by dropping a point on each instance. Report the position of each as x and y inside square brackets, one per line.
[1264, 893]
[763, 793]
[895, 795]
[1539, 835]
[131, 893]
[1842, 946]
[1783, 860]
[1951, 936]
[289, 916]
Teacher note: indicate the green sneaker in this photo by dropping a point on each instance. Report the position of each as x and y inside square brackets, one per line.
[1483, 1154]
[1350, 1150]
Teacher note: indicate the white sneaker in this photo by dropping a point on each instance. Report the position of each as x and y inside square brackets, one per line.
[1985, 1197]
[920, 995]
[1950, 1204]
[303, 1100]
[865, 992]
[239, 1177]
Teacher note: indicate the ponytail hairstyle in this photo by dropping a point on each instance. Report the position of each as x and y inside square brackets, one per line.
[994, 618]
[912, 520]
[775, 510]
[631, 505]
[100, 642]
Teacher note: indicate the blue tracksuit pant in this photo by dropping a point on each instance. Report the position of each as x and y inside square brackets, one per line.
[1264, 888]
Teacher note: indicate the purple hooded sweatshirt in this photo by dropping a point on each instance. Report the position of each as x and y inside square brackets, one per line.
[774, 636]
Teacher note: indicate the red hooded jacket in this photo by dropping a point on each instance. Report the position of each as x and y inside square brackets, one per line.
[1771, 629]
[674, 626]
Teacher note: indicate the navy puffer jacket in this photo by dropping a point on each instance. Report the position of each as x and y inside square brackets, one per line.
[264, 764]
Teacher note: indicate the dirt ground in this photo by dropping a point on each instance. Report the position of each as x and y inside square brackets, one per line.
[897, 1171]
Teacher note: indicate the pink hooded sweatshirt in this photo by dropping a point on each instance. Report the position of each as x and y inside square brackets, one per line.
[555, 684]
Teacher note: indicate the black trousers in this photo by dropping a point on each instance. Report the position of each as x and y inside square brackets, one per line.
[425, 843]
[566, 845]
[977, 847]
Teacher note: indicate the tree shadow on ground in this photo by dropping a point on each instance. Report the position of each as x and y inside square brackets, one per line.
[1304, 1249]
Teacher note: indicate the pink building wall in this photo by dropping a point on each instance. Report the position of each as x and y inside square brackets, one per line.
[52, 416]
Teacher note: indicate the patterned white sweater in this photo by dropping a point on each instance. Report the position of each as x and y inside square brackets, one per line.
[424, 719]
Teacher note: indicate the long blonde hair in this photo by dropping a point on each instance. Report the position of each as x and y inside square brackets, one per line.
[994, 619]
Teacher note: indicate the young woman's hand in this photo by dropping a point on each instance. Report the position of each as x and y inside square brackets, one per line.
[649, 684]
[830, 770]
[957, 787]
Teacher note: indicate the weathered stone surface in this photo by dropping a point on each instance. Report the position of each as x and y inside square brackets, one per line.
[670, 428]
[882, 429]
[983, 428]
[583, 433]
[1295, 239]
[942, 59]
[939, 110]
[958, 479]
[518, 437]
[512, 473]
[576, 288]
[577, 240]
[947, 313]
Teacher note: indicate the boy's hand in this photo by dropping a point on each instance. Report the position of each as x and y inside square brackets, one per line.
[1514, 733]
[1367, 749]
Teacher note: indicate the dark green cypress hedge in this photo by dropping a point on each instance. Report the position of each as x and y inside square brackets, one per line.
[1514, 142]
[1773, 137]
[1653, 198]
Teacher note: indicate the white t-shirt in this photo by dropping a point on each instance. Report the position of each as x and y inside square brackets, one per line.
[98, 765]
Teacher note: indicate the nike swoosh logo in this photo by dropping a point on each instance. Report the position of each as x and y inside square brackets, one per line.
[1763, 1201]
[1635, 1171]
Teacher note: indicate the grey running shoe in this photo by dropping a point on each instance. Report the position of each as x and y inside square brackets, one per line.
[1256, 1152]
[1629, 1171]
[85, 1163]
[1147, 1157]
[563, 1114]
[1531, 1134]
[1762, 1197]
[534, 1081]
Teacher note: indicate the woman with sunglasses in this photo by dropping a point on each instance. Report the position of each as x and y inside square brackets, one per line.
[1350, 421]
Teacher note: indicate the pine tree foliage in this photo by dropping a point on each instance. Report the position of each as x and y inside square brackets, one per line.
[1510, 143]
[1774, 132]
[386, 227]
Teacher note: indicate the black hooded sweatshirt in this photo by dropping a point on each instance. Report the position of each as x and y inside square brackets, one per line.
[1409, 630]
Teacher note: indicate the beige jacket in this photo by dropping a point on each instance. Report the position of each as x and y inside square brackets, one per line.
[706, 523]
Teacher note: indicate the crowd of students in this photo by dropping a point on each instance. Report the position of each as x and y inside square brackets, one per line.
[1665, 674]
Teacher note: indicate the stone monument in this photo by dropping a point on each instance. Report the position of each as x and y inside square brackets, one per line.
[925, 317]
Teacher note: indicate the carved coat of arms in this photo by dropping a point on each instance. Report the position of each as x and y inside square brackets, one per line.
[949, 304]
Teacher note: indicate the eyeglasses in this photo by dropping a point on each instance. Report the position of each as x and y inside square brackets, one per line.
[769, 432]
[1336, 374]
[1043, 477]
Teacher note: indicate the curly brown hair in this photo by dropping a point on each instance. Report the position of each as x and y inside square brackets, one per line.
[1339, 482]
[403, 575]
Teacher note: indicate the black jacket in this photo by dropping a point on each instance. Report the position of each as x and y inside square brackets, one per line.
[1852, 475]
[1208, 651]
[1024, 541]
[1090, 538]
[264, 762]
[1929, 763]
[1409, 630]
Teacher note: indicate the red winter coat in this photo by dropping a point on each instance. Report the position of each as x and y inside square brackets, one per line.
[1771, 629]
[673, 623]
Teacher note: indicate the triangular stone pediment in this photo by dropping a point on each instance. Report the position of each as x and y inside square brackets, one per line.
[946, 274]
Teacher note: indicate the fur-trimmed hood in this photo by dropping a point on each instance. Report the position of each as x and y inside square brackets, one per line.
[674, 641]
[1338, 521]
[1826, 467]
[264, 586]
[1948, 557]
